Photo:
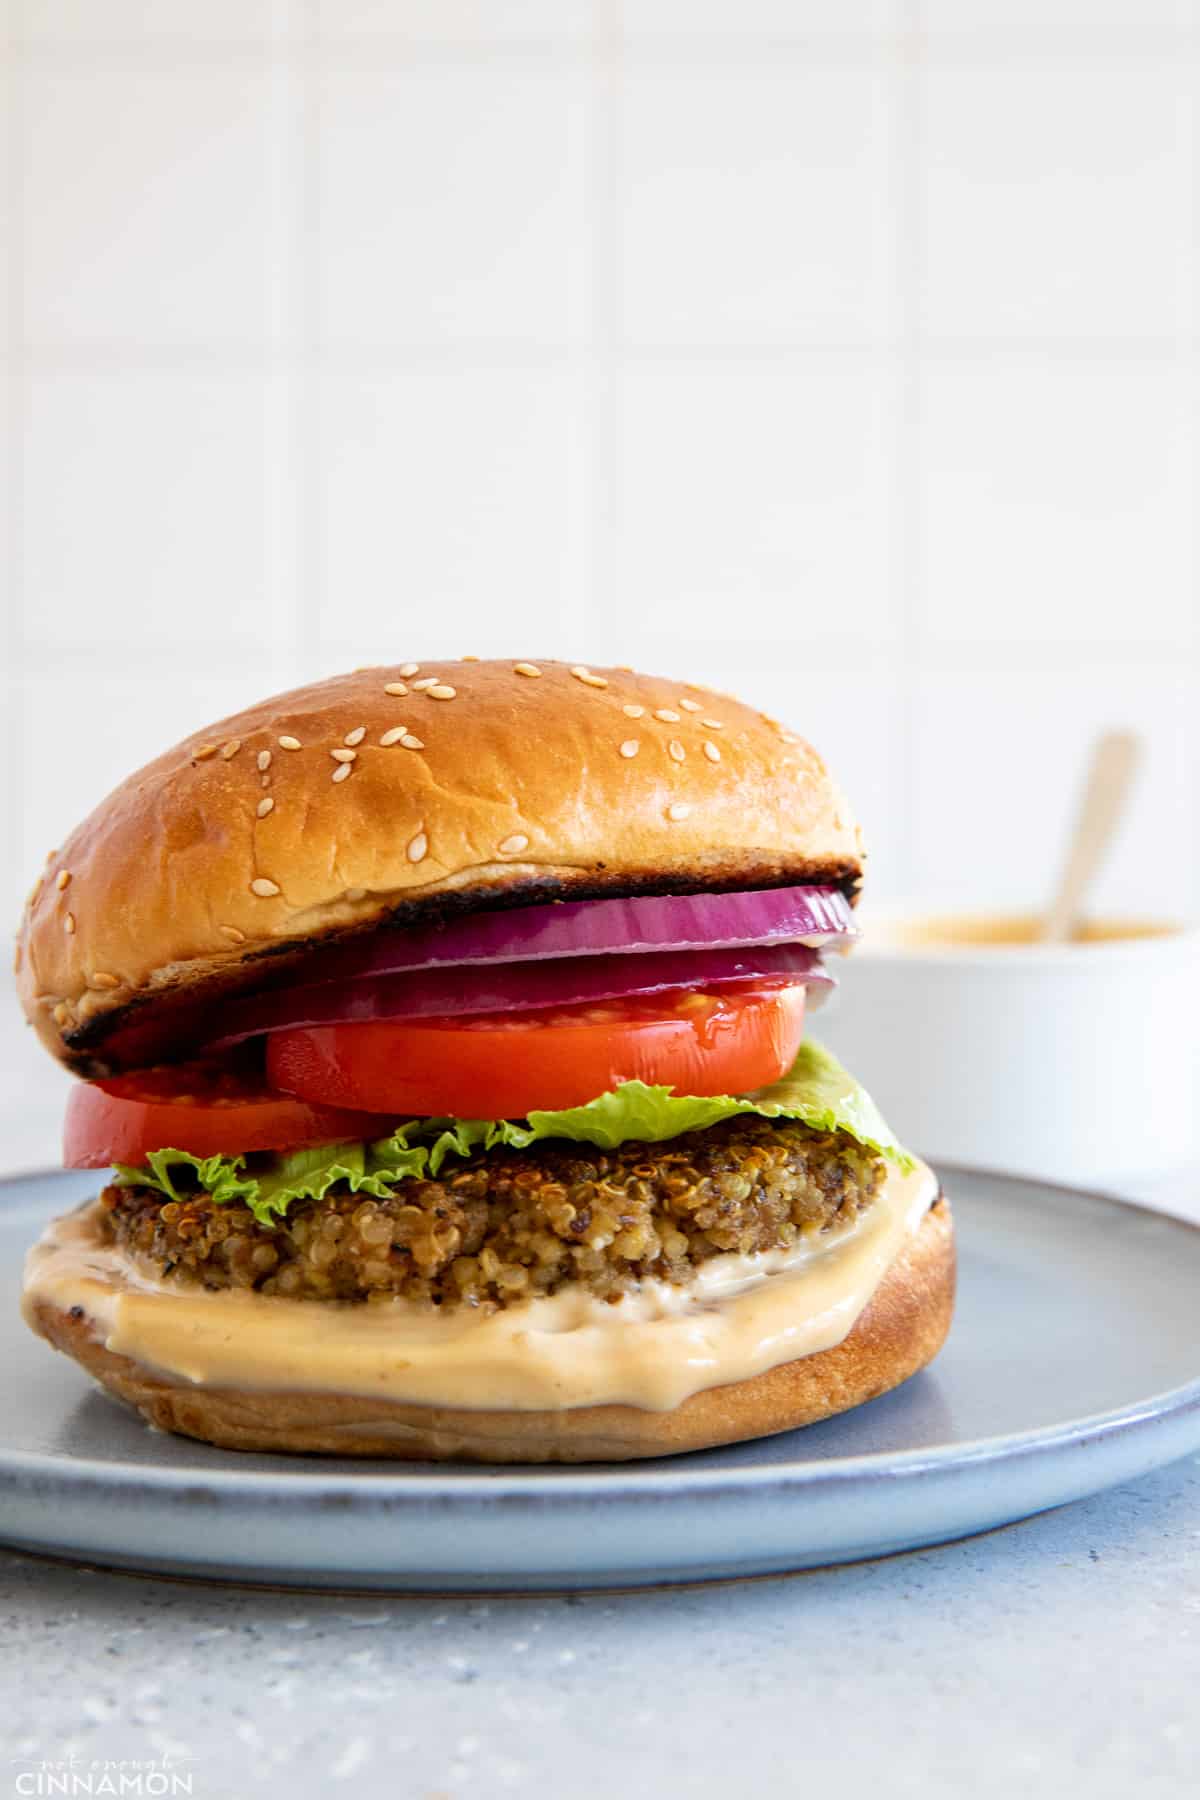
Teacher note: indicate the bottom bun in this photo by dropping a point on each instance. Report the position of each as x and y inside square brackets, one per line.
[902, 1329]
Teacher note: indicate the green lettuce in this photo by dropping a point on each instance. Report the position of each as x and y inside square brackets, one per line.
[817, 1090]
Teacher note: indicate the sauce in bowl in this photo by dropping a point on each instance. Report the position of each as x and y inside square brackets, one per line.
[1000, 931]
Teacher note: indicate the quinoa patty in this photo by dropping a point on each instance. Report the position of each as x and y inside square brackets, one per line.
[504, 1224]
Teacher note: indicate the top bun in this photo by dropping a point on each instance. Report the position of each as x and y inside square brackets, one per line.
[404, 794]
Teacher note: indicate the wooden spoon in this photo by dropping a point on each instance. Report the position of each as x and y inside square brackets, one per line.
[1115, 757]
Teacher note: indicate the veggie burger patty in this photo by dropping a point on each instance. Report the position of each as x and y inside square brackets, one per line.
[508, 1224]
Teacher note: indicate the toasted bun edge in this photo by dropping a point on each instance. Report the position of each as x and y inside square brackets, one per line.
[220, 864]
[899, 1332]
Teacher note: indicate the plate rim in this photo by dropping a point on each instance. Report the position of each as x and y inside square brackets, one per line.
[371, 1488]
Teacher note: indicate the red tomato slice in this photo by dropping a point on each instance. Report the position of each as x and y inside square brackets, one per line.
[200, 1107]
[502, 1067]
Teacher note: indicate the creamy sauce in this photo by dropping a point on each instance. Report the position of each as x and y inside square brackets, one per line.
[652, 1349]
[1001, 931]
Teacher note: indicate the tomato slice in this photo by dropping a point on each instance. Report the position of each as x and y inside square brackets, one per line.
[207, 1108]
[502, 1067]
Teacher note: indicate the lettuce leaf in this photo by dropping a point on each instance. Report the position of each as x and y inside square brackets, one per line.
[817, 1090]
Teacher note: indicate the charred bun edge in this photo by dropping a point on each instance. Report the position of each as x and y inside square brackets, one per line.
[899, 1332]
[156, 1022]
[375, 800]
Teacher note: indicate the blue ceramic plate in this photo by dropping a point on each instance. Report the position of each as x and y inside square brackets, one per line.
[1074, 1364]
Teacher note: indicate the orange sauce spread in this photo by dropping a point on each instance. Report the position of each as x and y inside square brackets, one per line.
[653, 1349]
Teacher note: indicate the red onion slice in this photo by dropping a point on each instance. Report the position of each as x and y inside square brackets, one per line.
[818, 917]
[502, 987]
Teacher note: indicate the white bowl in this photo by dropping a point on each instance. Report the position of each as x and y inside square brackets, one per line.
[1074, 1063]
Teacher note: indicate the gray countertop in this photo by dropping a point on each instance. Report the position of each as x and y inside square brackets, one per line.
[1059, 1656]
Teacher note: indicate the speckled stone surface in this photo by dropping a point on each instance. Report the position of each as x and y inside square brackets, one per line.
[1061, 1656]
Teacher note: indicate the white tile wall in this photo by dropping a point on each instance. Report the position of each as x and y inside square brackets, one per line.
[1013, 798]
[146, 216]
[1052, 195]
[846, 354]
[454, 508]
[144, 520]
[766, 221]
[452, 205]
[1057, 500]
[469, 23]
[681, 23]
[67, 25]
[756, 495]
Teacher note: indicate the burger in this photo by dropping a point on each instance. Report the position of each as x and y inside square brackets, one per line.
[442, 1028]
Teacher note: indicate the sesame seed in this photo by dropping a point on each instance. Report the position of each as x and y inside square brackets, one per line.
[289, 743]
[344, 756]
[263, 760]
[62, 1013]
[666, 715]
[356, 736]
[202, 752]
[395, 736]
[530, 669]
[418, 848]
[355, 893]
[785, 737]
[61, 879]
[509, 846]
[633, 712]
[230, 749]
[468, 659]
[343, 772]
[714, 724]
[428, 681]
[675, 750]
[69, 922]
[711, 751]
[397, 689]
[588, 679]
[265, 806]
[629, 747]
[409, 742]
[690, 705]
[103, 980]
[678, 811]
[232, 933]
[264, 781]
[442, 692]
[411, 669]
[264, 888]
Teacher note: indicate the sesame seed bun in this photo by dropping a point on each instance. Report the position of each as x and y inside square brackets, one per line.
[404, 794]
[901, 1330]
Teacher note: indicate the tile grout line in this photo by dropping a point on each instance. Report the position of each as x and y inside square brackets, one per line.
[305, 376]
[14, 635]
[844, 653]
[908, 487]
[604, 475]
[98, 355]
[279, 373]
[1192, 362]
[740, 50]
